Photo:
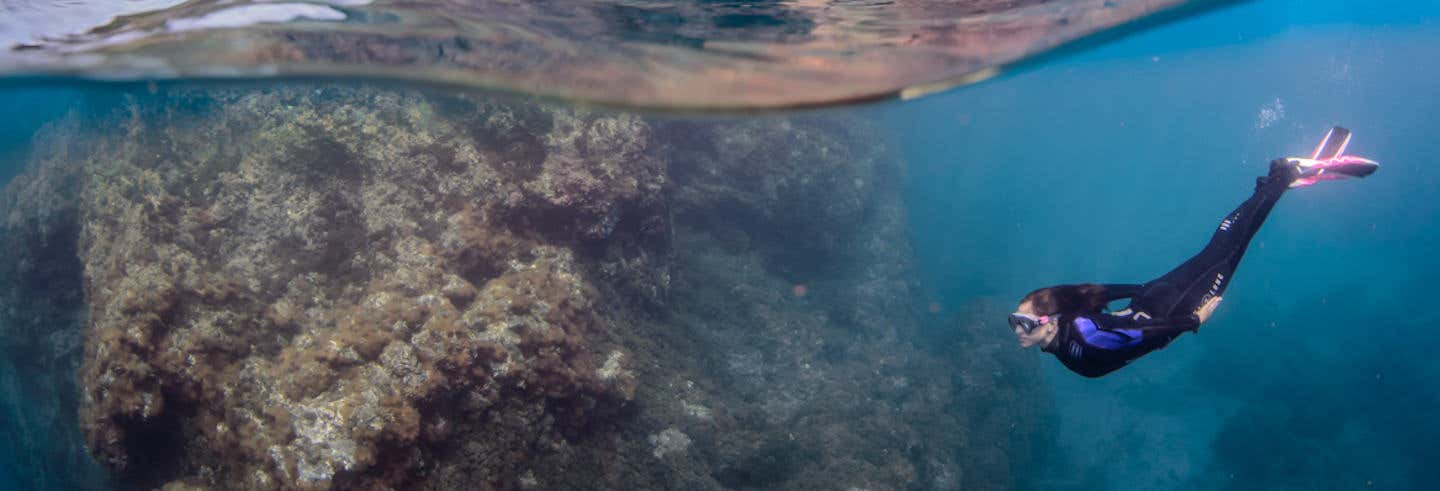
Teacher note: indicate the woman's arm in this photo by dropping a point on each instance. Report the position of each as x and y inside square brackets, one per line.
[1133, 330]
[1171, 327]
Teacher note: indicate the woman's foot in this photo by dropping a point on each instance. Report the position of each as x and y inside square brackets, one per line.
[1281, 170]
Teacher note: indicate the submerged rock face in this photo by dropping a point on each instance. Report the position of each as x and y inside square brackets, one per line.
[335, 287]
[311, 291]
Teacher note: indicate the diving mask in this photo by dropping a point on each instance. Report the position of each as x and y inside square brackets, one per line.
[1027, 323]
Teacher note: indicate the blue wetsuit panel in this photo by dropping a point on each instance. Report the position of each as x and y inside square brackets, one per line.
[1107, 339]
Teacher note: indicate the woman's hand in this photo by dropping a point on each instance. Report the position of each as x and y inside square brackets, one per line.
[1206, 310]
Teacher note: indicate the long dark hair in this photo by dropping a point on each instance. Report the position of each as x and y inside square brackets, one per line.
[1067, 299]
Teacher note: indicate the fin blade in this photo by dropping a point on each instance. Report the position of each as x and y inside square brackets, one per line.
[1333, 145]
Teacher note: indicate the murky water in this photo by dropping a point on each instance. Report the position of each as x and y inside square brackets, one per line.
[224, 275]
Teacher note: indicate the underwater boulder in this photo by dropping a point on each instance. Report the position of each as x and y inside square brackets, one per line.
[321, 286]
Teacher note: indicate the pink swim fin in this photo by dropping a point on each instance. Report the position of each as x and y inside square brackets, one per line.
[1329, 161]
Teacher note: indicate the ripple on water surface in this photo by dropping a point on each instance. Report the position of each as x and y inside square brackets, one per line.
[688, 55]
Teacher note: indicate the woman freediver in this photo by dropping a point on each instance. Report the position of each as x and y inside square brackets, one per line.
[1070, 321]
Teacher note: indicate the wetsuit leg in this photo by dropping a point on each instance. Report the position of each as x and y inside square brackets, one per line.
[1207, 274]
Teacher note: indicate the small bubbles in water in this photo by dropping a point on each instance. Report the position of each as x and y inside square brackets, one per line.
[1270, 113]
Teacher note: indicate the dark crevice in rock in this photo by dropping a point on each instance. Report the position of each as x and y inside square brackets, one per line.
[156, 448]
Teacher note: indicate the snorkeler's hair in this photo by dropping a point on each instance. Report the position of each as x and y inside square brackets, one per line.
[1067, 299]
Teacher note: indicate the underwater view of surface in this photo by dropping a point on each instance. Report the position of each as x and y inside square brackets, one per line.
[302, 245]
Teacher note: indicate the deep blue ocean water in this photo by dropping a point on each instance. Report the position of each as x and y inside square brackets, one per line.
[1114, 164]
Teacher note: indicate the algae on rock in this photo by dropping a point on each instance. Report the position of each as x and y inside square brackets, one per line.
[289, 283]
[336, 287]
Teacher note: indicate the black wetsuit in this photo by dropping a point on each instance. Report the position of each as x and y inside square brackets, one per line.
[1094, 343]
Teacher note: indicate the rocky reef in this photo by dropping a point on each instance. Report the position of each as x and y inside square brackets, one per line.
[337, 287]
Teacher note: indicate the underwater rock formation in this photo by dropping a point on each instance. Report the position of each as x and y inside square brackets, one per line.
[314, 287]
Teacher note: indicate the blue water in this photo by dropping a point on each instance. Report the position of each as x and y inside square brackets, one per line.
[1114, 165]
